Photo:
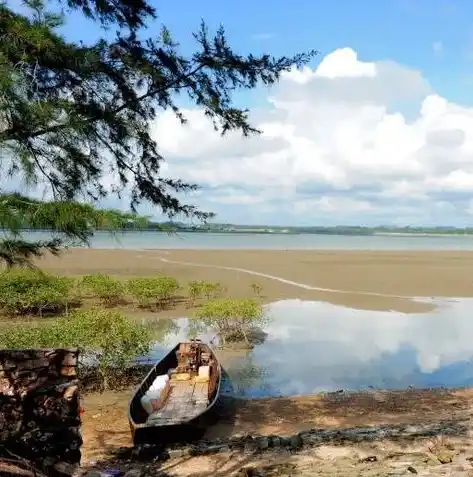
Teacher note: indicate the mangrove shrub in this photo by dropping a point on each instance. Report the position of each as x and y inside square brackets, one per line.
[231, 318]
[107, 289]
[197, 289]
[106, 339]
[153, 292]
[30, 291]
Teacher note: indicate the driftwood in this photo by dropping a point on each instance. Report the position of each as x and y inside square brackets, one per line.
[16, 465]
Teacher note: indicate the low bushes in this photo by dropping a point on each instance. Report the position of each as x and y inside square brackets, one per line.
[197, 289]
[105, 338]
[232, 319]
[27, 291]
[153, 292]
[32, 292]
[107, 289]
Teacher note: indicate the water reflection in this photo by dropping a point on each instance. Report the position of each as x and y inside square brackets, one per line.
[313, 347]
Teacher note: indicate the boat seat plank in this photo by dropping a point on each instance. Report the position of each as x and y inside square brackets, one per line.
[186, 400]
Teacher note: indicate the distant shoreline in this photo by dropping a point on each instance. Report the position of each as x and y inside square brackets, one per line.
[417, 234]
[278, 233]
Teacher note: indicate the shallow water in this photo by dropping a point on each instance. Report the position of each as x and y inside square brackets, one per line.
[227, 241]
[315, 346]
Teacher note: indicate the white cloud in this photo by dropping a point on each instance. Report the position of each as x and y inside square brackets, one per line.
[349, 141]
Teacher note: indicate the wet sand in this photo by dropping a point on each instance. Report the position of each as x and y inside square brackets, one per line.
[379, 280]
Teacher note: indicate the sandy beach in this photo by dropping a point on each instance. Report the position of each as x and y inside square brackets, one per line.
[378, 280]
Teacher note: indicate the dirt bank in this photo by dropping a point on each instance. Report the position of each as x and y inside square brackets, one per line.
[105, 429]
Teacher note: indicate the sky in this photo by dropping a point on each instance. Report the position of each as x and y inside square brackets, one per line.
[377, 130]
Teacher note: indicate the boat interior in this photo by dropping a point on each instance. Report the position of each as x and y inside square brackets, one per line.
[188, 378]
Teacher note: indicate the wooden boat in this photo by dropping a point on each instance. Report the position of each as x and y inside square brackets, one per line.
[184, 411]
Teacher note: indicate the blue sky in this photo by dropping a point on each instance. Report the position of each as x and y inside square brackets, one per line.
[400, 30]
[418, 51]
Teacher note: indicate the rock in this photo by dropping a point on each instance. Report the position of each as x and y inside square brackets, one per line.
[445, 457]
[123, 452]
[263, 443]
[370, 458]
[275, 441]
[236, 444]
[412, 470]
[296, 441]
[112, 473]
[246, 472]
[430, 459]
[133, 473]
[285, 441]
[194, 451]
[147, 452]
[174, 453]
[93, 473]
[212, 449]
[309, 439]
[250, 448]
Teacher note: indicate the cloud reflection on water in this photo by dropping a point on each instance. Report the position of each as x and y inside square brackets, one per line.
[317, 346]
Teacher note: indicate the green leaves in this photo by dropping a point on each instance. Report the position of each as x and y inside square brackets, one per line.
[78, 116]
[33, 292]
[231, 318]
[70, 223]
[109, 290]
[108, 337]
[198, 288]
[153, 292]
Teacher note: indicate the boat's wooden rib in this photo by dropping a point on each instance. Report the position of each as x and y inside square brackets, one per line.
[187, 403]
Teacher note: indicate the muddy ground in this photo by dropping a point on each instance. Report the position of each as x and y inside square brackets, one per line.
[366, 280]
[105, 429]
[381, 280]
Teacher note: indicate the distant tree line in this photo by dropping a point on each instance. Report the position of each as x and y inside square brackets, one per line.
[130, 222]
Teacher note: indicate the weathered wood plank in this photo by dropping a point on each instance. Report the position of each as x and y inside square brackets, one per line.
[186, 400]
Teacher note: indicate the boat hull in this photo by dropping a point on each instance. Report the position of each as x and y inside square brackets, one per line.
[185, 431]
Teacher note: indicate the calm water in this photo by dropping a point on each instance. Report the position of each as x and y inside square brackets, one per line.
[150, 240]
[313, 347]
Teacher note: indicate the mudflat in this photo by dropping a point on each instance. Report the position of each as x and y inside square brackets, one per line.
[379, 280]
[368, 280]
